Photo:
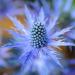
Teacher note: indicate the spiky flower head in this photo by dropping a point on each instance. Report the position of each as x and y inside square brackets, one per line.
[41, 38]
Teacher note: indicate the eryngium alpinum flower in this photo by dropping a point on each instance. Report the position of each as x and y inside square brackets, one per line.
[40, 37]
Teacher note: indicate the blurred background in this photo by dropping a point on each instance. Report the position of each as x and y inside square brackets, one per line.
[8, 57]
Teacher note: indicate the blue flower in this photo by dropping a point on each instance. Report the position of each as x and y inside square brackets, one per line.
[39, 38]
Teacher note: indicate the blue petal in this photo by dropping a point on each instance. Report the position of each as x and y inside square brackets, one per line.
[18, 25]
[62, 32]
[55, 55]
[29, 16]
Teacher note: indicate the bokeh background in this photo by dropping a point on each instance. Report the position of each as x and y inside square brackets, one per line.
[8, 57]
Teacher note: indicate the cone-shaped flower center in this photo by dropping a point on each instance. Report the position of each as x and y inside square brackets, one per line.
[38, 36]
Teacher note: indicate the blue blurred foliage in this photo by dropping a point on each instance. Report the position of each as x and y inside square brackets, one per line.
[66, 19]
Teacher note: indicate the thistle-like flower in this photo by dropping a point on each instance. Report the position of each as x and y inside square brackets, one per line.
[40, 38]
